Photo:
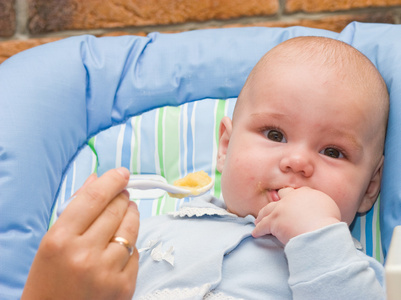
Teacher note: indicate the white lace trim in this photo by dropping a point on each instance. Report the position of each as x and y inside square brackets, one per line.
[219, 296]
[178, 294]
[200, 211]
[188, 293]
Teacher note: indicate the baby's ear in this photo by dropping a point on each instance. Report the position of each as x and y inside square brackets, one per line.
[373, 189]
[224, 138]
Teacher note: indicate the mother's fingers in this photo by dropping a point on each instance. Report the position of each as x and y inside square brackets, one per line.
[128, 230]
[88, 180]
[131, 269]
[92, 200]
[127, 276]
[109, 220]
[62, 207]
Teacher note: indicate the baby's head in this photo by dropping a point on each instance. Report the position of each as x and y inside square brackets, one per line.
[313, 112]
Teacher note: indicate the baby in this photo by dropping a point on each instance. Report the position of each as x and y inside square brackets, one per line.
[301, 156]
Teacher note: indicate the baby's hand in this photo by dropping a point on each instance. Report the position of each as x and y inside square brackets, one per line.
[298, 211]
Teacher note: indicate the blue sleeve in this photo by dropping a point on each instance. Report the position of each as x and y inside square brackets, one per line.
[325, 264]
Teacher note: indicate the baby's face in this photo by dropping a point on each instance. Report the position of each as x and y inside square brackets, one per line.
[295, 128]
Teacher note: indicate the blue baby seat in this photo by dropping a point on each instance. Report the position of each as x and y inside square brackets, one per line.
[65, 107]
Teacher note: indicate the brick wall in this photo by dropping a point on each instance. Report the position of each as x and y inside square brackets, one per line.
[27, 23]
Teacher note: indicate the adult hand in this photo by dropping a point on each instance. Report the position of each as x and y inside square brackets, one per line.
[76, 259]
[298, 211]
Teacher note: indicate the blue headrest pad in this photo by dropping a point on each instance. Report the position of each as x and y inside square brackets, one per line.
[382, 45]
[56, 96]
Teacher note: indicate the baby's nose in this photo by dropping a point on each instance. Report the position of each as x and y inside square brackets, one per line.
[298, 163]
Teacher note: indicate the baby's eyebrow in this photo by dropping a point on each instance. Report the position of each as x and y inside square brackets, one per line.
[269, 115]
[350, 139]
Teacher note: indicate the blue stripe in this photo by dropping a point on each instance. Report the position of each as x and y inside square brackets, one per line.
[107, 149]
[68, 183]
[147, 143]
[190, 140]
[145, 207]
[126, 148]
[83, 167]
[83, 163]
[183, 145]
[230, 107]
[356, 228]
[368, 233]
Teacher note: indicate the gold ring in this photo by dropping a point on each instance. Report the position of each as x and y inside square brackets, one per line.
[122, 241]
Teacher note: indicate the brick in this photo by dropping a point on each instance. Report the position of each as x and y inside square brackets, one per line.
[333, 23]
[49, 15]
[56, 15]
[120, 33]
[330, 5]
[7, 18]
[12, 47]
[9, 48]
[338, 22]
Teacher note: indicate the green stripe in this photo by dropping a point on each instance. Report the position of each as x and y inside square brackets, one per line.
[220, 113]
[52, 217]
[159, 205]
[91, 144]
[135, 150]
[160, 151]
[160, 145]
[171, 152]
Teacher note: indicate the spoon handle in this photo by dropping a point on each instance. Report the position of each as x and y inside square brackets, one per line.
[147, 184]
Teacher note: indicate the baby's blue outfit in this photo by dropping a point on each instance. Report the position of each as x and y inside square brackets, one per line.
[204, 252]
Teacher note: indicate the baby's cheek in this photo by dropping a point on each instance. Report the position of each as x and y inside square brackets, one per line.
[348, 207]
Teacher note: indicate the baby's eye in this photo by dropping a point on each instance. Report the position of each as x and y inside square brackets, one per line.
[275, 136]
[333, 152]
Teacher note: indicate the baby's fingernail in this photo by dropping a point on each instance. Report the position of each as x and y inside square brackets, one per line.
[123, 171]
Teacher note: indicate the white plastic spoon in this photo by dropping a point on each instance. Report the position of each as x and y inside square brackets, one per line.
[149, 182]
[147, 187]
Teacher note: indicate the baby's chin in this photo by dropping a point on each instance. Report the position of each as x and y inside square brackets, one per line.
[242, 213]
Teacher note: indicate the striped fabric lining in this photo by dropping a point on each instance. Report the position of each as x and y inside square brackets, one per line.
[172, 142]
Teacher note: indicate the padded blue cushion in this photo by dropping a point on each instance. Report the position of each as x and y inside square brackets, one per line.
[53, 98]
[382, 45]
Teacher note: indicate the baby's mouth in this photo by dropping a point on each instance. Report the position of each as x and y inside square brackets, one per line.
[274, 195]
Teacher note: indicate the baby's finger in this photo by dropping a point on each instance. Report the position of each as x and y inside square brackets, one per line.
[265, 211]
[262, 228]
[285, 191]
[125, 238]
[92, 200]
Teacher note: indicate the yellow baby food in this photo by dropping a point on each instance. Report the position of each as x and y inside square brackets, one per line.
[193, 182]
